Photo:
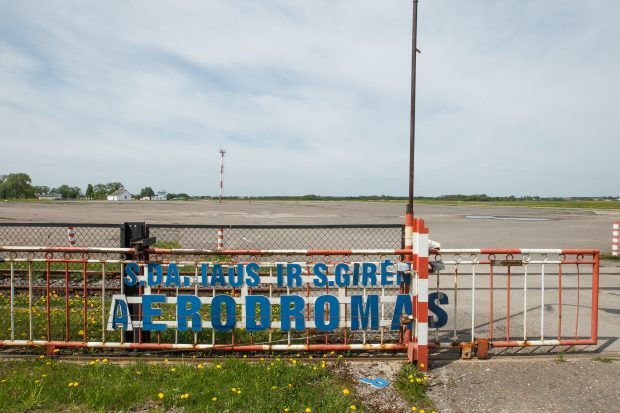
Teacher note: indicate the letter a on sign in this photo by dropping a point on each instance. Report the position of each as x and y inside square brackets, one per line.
[119, 313]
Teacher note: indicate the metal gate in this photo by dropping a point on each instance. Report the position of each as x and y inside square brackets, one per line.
[405, 299]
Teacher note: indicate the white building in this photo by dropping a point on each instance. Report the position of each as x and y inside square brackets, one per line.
[161, 196]
[49, 197]
[120, 195]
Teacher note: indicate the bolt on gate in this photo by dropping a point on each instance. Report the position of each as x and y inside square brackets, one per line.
[402, 299]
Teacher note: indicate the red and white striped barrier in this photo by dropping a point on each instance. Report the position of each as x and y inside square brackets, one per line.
[615, 231]
[220, 239]
[71, 235]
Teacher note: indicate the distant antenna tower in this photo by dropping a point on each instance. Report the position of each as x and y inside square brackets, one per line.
[222, 152]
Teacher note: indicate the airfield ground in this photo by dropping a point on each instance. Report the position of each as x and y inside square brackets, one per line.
[453, 226]
[582, 381]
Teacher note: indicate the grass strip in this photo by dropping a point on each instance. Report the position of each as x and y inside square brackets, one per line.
[270, 385]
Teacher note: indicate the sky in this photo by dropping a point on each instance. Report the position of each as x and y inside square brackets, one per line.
[312, 97]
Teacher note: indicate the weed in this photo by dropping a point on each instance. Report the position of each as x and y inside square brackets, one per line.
[413, 384]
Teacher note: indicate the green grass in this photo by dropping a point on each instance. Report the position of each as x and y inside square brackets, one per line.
[530, 204]
[271, 385]
[412, 385]
[610, 257]
[168, 244]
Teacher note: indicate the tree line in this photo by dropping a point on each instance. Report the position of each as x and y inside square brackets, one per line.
[19, 186]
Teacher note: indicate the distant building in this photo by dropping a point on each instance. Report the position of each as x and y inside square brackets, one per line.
[161, 196]
[120, 195]
[49, 197]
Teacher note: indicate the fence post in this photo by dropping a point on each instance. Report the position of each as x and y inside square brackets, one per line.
[220, 239]
[130, 233]
[420, 252]
[71, 236]
[615, 234]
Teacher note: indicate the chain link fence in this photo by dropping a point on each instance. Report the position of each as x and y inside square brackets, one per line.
[205, 236]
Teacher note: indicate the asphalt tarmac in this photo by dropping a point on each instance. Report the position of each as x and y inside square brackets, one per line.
[452, 226]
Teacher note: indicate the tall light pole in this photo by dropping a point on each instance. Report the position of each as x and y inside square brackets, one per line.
[409, 210]
[222, 152]
[414, 51]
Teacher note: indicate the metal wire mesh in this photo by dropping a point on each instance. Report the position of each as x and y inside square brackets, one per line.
[57, 235]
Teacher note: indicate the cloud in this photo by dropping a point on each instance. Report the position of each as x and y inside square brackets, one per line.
[312, 97]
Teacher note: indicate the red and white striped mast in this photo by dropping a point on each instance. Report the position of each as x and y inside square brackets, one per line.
[222, 153]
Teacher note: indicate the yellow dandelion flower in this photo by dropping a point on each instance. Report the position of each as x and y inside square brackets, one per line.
[419, 380]
[425, 378]
[274, 387]
[199, 366]
[91, 363]
[410, 376]
[413, 409]
[81, 333]
[75, 384]
[410, 380]
[234, 389]
[352, 407]
[219, 366]
[36, 381]
[173, 369]
[308, 410]
[287, 409]
[70, 384]
[422, 411]
[43, 375]
[56, 350]
[165, 360]
[138, 372]
[345, 391]
[214, 399]
[104, 360]
[245, 356]
[184, 396]
[41, 356]
[239, 391]
[160, 395]
[294, 362]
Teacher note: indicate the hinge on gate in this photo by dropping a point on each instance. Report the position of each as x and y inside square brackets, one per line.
[141, 243]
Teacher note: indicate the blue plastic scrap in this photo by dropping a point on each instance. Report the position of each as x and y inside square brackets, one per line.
[378, 382]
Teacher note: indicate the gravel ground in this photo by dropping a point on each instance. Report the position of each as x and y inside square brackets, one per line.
[508, 385]
[384, 400]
